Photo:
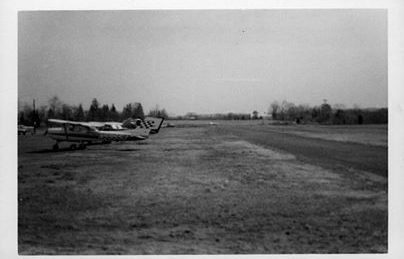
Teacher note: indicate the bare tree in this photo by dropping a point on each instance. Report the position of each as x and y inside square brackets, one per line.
[55, 104]
[274, 108]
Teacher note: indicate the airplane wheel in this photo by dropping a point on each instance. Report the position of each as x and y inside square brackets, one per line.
[73, 146]
[55, 147]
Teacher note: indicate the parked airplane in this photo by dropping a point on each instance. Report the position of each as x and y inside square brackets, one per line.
[92, 132]
[152, 123]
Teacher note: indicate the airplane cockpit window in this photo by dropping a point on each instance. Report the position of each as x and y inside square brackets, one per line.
[108, 127]
[80, 129]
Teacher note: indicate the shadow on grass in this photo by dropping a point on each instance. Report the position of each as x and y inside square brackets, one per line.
[65, 149]
[68, 149]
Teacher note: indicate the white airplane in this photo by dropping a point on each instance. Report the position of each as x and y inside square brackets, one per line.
[152, 123]
[92, 132]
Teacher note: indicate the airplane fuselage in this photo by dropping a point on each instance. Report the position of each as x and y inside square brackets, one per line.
[64, 134]
[87, 135]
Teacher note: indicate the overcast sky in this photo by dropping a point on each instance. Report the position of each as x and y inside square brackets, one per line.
[204, 61]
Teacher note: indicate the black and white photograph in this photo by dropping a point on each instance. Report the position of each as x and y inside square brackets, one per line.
[208, 131]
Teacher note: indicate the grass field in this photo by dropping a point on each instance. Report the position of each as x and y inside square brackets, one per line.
[236, 187]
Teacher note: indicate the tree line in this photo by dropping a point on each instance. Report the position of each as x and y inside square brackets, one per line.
[216, 116]
[57, 109]
[289, 112]
[325, 114]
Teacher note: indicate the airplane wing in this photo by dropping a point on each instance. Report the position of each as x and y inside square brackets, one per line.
[65, 122]
[112, 126]
[96, 124]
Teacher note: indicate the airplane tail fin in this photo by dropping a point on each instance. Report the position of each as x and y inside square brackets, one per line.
[137, 124]
[154, 124]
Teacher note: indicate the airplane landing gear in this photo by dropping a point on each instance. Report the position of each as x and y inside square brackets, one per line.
[82, 146]
[73, 146]
[55, 147]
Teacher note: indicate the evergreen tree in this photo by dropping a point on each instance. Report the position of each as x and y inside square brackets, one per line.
[127, 111]
[104, 113]
[134, 111]
[67, 113]
[114, 115]
[93, 112]
[79, 113]
[50, 114]
[137, 111]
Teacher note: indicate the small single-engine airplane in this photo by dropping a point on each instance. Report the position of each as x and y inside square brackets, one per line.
[92, 132]
[152, 123]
